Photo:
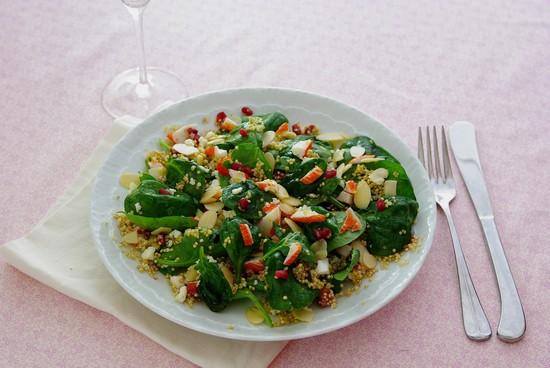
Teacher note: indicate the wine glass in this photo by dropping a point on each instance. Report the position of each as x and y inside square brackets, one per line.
[139, 91]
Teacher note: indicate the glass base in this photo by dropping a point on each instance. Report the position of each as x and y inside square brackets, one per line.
[124, 95]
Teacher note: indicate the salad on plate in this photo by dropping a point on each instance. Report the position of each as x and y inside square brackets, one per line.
[272, 212]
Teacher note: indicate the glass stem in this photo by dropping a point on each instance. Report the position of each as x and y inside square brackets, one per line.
[137, 15]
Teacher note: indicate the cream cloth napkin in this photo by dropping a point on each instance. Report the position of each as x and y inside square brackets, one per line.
[60, 253]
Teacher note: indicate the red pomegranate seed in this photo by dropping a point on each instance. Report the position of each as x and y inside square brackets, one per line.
[161, 239]
[247, 111]
[309, 129]
[330, 173]
[244, 203]
[221, 117]
[192, 130]
[165, 191]
[326, 297]
[247, 170]
[236, 166]
[322, 233]
[279, 175]
[193, 288]
[243, 133]
[296, 129]
[281, 274]
[380, 205]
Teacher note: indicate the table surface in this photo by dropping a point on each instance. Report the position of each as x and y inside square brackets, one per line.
[406, 63]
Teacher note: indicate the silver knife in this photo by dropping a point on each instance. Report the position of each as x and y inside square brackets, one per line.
[462, 136]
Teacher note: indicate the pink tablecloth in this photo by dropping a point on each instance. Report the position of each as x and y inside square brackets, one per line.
[407, 63]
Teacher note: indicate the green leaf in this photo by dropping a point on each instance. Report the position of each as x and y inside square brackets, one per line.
[395, 172]
[388, 231]
[271, 121]
[183, 254]
[247, 294]
[249, 154]
[341, 275]
[339, 240]
[232, 194]
[292, 180]
[214, 289]
[371, 148]
[172, 222]
[146, 201]
[193, 176]
[232, 240]
[306, 254]
[289, 294]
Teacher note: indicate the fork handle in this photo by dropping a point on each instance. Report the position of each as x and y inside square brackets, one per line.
[475, 321]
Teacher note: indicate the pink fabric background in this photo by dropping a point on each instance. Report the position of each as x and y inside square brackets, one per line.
[405, 62]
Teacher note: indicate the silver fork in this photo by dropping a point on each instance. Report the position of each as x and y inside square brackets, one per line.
[475, 321]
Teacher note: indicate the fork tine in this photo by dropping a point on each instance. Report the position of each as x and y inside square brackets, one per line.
[446, 161]
[429, 151]
[438, 174]
[421, 148]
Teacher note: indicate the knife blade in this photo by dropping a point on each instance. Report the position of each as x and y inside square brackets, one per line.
[463, 142]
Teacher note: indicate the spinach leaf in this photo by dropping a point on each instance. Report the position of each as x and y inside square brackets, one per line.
[232, 240]
[292, 180]
[146, 201]
[272, 120]
[249, 154]
[214, 289]
[145, 176]
[395, 172]
[339, 240]
[388, 231]
[286, 294]
[323, 149]
[234, 138]
[183, 254]
[247, 294]
[306, 254]
[193, 176]
[232, 194]
[371, 148]
[329, 186]
[152, 223]
[341, 275]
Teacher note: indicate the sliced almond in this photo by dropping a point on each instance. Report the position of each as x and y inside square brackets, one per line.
[292, 201]
[286, 209]
[363, 195]
[323, 267]
[344, 251]
[161, 230]
[293, 226]
[254, 316]
[304, 315]
[157, 172]
[390, 187]
[228, 274]
[128, 178]
[131, 237]
[345, 197]
[177, 281]
[149, 253]
[215, 206]
[270, 159]
[212, 193]
[288, 135]
[341, 170]
[236, 176]
[185, 149]
[338, 155]
[357, 151]
[366, 159]
[266, 223]
[208, 219]
[378, 176]
[333, 138]
[368, 260]
[267, 138]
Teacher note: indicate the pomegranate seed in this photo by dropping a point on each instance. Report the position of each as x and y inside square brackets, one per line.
[310, 129]
[281, 274]
[330, 173]
[243, 133]
[192, 131]
[220, 117]
[165, 191]
[161, 239]
[247, 170]
[326, 297]
[247, 111]
[140, 231]
[296, 129]
[380, 205]
[244, 203]
[279, 175]
[193, 288]
[322, 233]
[236, 166]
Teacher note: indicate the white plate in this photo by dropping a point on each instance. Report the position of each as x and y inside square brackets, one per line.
[329, 115]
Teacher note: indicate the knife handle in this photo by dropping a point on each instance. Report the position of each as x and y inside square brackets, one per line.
[511, 326]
